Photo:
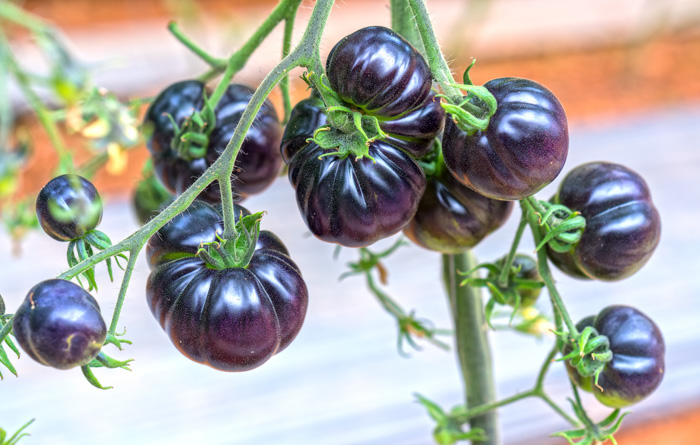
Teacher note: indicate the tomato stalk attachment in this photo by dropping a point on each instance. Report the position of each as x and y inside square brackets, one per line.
[234, 252]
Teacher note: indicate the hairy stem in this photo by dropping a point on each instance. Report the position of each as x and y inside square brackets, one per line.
[473, 347]
[133, 254]
[402, 22]
[436, 61]
[227, 207]
[286, 48]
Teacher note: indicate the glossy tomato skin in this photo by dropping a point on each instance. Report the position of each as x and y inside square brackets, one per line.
[230, 319]
[623, 227]
[258, 161]
[522, 150]
[68, 207]
[452, 218]
[637, 367]
[355, 202]
[59, 325]
[378, 72]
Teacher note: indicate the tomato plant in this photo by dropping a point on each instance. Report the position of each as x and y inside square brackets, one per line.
[386, 142]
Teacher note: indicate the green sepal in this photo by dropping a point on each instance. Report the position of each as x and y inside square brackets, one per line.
[116, 341]
[104, 361]
[16, 436]
[236, 252]
[87, 372]
[191, 139]
[5, 360]
[561, 227]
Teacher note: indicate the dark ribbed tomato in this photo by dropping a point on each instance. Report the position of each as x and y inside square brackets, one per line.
[258, 161]
[231, 319]
[60, 325]
[452, 218]
[622, 225]
[355, 202]
[522, 150]
[68, 207]
[637, 366]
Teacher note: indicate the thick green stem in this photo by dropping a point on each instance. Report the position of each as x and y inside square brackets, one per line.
[471, 333]
[436, 61]
[543, 265]
[402, 22]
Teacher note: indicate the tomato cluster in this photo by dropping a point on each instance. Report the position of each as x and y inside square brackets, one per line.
[355, 201]
[445, 187]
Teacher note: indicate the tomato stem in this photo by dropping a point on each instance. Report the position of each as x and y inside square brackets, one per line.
[471, 335]
[533, 218]
[210, 60]
[402, 22]
[6, 329]
[133, 254]
[286, 48]
[503, 277]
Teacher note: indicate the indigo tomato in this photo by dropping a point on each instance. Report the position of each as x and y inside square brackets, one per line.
[522, 150]
[452, 218]
[355, 201]
[258, 161]
[637, 365]
[68, 207]
[59, 325]
[622, 225]
[231, 319]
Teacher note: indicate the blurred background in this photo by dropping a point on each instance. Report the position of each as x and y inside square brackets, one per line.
[628, 75]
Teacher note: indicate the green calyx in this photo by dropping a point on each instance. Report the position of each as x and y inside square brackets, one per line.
[235, 252]
[350, 133]
[192, 138]
[591, 352]
[471, 113]
[562, 227]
